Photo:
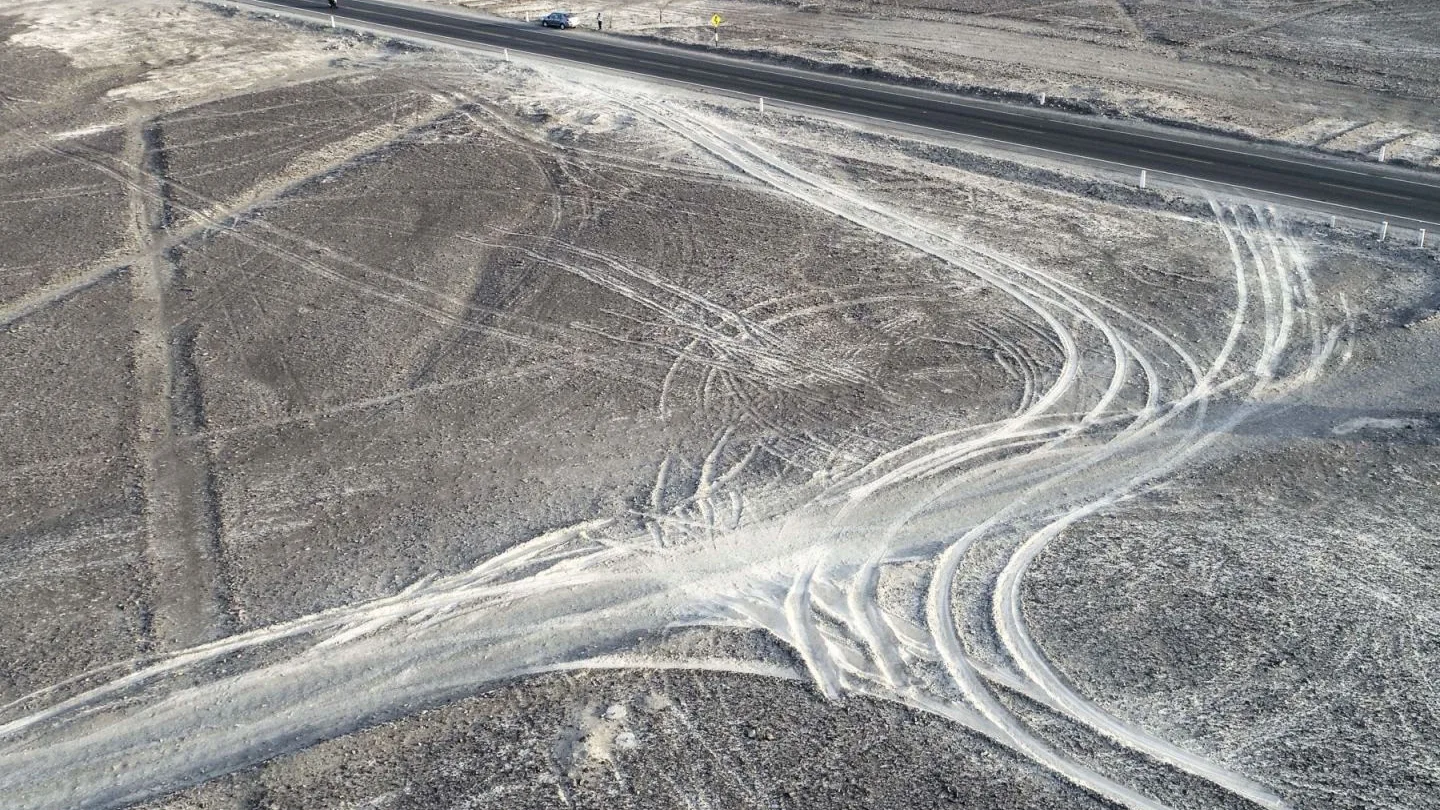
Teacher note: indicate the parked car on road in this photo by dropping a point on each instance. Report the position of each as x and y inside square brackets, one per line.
[559, 19]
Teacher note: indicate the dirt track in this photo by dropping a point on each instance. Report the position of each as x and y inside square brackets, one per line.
[396, 379]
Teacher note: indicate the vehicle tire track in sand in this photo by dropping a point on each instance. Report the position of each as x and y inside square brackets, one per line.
[1278, 281]
[1049, 296]
[557, 599]
[1051, 292]
[1284, 19]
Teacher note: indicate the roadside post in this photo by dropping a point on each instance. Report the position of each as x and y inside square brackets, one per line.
[715, 23]
[1422, 237]
[1384, 230]
[1143, 178]
[762, 114]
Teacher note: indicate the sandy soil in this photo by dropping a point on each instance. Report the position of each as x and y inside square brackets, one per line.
[405, 429]
[646, 740]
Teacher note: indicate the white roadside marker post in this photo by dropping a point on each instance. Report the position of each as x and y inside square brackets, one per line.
[1384, 229]
[1382, 154]
[1422, 237]
[1333, 219]
[1143, 178]
[507, 54]
[332, 20]
[762, 106]
[1042, 99]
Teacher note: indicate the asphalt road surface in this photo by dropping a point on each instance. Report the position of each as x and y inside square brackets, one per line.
[1383, 191]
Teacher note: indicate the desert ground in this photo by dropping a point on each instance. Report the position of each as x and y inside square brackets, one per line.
[397, 427]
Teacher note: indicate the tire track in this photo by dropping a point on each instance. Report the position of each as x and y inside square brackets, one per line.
[1277, 317]
[965, 510]
[1002, 724]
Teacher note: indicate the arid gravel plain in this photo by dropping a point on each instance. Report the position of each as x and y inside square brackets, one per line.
[389, 427]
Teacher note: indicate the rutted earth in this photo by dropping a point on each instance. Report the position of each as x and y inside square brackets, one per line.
[415, 430]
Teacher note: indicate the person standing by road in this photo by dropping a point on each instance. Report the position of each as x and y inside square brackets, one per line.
[599, 21]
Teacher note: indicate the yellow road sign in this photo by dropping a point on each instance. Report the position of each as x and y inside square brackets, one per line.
[716, 20]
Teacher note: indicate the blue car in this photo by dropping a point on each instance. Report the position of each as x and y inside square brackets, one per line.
[559, 19]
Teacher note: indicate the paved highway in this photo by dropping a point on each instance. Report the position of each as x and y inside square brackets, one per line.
[1383, 191]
